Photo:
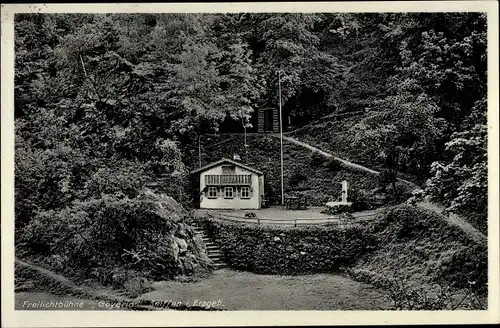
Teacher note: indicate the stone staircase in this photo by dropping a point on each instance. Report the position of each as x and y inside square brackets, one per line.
[213, 250]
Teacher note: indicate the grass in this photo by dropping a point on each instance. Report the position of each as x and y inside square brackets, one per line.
[336, 138]
[316, 181]
[422, 248]
[248, 291]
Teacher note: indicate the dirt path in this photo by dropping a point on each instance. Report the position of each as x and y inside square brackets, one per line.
[452, 218]
[232, 290]
[341, 160]
[58, 284]
[456, 220]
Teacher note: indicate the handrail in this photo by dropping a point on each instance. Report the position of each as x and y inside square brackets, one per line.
[294, 222]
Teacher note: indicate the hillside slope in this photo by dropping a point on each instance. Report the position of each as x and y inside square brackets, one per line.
[335, 137]
[422, 255]
[306, 172]
[341, 160]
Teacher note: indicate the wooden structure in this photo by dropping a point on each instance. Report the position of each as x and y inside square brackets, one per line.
[268, 120]
[229, 184]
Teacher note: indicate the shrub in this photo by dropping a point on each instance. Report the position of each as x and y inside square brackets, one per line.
[417, 196]
[317, 159]
[333, 165]
[405, 294]
[425, 246]
[297, 177]
[289, 251]
[359, 199]
[110, 239]
[337, 209]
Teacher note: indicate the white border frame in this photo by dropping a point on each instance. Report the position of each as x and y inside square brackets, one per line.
[12, 318]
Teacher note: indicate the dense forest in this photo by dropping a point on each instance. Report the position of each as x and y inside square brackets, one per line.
[107, 103]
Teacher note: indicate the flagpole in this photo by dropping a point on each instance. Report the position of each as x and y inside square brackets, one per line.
[281, 137]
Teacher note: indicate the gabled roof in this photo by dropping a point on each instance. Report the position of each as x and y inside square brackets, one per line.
[227, 160]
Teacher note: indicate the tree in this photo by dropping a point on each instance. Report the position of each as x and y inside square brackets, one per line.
[461, 182]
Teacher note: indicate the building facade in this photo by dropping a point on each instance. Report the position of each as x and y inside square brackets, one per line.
[228, 184]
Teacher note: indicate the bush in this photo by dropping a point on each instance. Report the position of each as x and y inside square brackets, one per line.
[289, 251]
[359, 199]
[296, 178]
[110, 239]
[406, 295]
[317, 159]
[337, 209]
[425, 246]
[333, 165]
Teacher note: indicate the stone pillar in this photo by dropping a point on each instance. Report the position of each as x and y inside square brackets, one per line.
[344, 191]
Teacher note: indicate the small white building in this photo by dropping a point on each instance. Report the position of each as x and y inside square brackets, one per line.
[228, 184]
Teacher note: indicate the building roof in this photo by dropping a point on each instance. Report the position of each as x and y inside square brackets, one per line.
[226, 160]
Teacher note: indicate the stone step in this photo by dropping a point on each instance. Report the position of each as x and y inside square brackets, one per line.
[213, 250]
[216, 258]
[220, 266]
[218, 263]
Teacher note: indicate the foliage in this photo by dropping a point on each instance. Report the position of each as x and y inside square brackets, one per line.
[417, 196]
[106, 104]
[406, 295]
[115, 241]
[333, 165]
[422, 247]
[461, 183]
[360, 199]
[317, 159]
[297, 177]
[337, 209]
[419, 78]
[289, 251]
[317, 183]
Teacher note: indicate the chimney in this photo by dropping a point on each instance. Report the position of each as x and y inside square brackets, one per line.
[236, 157]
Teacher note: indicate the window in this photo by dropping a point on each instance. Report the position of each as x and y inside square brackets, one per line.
[228, 192]
[212, 192]
[245, 192]
[228, 169]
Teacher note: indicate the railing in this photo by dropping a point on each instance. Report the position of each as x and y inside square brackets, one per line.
[228, 179]
[295, 222]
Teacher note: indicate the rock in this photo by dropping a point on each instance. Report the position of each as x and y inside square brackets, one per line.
[182, 231]
[182, 244]
[175, 249]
